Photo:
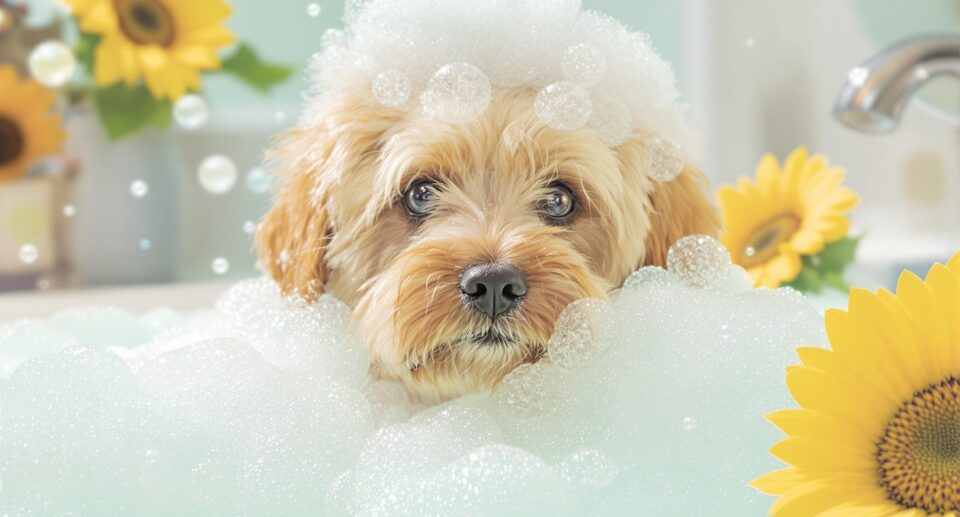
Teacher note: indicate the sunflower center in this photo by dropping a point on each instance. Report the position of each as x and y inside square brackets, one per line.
[11, 141]
[765, 241]
[919, 453]
[146, 22]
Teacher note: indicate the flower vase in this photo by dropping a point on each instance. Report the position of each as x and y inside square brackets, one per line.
[127, 203]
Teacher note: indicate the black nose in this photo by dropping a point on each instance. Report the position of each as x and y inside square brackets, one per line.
[493, 288]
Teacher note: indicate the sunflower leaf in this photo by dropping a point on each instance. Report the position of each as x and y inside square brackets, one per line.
[837, 255]
[85, 49]
[807, 281]
[124, 110]
[247, 66]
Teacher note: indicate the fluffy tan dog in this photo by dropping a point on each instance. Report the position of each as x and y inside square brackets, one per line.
[459, 245]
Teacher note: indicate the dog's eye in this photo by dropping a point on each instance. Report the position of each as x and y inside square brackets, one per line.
[559, 205]
[418, 199]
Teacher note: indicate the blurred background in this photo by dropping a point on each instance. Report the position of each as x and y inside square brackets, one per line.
[153, 208]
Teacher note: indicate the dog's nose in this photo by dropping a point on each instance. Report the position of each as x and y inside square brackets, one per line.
[493, 288]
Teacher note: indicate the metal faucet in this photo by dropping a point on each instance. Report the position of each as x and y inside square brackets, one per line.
[876, 91]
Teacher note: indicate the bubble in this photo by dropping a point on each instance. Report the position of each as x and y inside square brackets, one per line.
[313, 9]
[664, 159]
[28, 253]
[577, 336]
[144, 244]
[689, 423]
[43, 283]
[69, 211]
[220, 266]
[457, 92]
[391, 88]
[259, 180]
[750, 43]
[528, 391]
[139, 188]
[280, 117]
[737, 281]
[589, 469]
[249, 227]
[648, 275]
[583, 64]
[191, 111]
[563, 105]
[698, 260]
[217, 174]
[52, 63]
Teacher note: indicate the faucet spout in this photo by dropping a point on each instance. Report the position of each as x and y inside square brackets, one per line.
[876, 92]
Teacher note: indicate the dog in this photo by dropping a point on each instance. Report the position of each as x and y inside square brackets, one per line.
[457, 246]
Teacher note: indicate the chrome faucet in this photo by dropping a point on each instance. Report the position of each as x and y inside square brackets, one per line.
[876, 91]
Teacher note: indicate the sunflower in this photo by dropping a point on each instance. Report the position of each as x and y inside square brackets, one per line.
[28, 129]
[786, 214]
[166, 42]
[878, 431]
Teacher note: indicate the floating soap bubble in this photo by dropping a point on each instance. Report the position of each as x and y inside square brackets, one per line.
[28, 253]
[750, 43]
[391, 88]
[589, 469]
[43, 283]
[144, 244]
[258, 180]
[583, 64]
[69, 211]
[577, 336]
[689, 423]
[313, 9]
[563, 105]
[191, 111]
[698, 260]
[249, 227]
[139, 188]
[52, 63]
[664, 159]
[217, 174]
[220, 265]
[458, 92]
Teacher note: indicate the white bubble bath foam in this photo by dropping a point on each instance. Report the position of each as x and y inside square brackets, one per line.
[650, 402]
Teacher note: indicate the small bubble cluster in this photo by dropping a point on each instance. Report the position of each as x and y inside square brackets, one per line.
[664, 159]
[391, 88]
[583, 64]
[563, 105]
[457, 92]
[698, 260]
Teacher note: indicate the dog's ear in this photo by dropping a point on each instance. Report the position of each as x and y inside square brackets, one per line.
[681, 207]
[293, 237]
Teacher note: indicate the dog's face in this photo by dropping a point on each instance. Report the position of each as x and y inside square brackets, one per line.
[459, 245]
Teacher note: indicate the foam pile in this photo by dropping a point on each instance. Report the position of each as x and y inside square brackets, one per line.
[653, 400]
[447, 56]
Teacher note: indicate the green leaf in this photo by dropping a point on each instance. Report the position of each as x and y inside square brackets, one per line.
[837, 255]
[807, 281]
[124, 110]
[836, 281]
[85, 50]
[247, 66]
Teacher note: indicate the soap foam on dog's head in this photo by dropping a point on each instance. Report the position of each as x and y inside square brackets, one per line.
[445, 56]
